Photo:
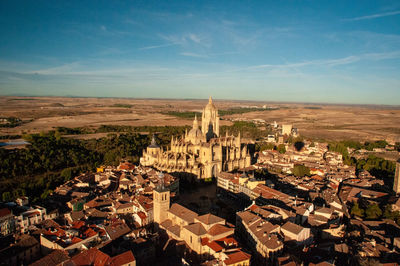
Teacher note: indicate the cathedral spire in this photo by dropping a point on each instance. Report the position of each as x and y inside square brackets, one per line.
[153, 141]
[195, 122]
[210, 100]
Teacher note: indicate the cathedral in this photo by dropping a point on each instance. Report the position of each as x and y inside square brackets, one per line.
[202, 152]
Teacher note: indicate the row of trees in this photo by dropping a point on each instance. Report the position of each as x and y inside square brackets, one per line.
[51, 160]
[373, 211]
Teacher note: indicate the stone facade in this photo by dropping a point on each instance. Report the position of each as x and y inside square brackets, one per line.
[202, 152]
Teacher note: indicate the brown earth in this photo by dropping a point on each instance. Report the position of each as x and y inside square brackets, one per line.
[329, 122]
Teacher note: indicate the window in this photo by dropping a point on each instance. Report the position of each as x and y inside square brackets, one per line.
[191, 239]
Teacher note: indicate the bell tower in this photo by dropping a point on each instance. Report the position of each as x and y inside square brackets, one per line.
[161, 201]
[210, 120]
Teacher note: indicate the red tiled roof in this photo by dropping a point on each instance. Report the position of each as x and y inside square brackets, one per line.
[58, 232]
[122, 259]
[268, 193]
[78, 224]
[4, 212]
[89, 232]
[204, 241]
[219, 229]
[215, 246]
[253, 207]
[142, 215]
[76, 240]
[236, 257]
[92, 256]
[228, 241]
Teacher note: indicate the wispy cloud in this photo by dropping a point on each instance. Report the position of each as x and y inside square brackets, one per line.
[187, 39]
[157, 46]
[334, 62]
[378, 15]
[193, 55]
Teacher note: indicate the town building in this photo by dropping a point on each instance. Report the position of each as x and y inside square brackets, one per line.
[7, 222]
[209, 236]
[202, 152]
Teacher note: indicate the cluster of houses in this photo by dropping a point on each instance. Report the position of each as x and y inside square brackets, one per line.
[93, 212]
[126, 215]
[292, 218]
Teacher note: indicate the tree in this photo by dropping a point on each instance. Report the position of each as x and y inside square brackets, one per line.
[281, 148]
[298, 145]
[300, 170]
[373, 211]
[357, 211]
[57, 135]
[6, 196]
[46, 193]
[390, 214]
[264, 146]
[66, 174]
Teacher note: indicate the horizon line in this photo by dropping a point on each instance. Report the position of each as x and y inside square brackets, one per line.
[201, 99]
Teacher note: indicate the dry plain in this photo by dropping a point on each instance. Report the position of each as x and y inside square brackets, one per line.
[323, 121]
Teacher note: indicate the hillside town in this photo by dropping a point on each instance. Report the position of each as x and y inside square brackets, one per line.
[304, 206]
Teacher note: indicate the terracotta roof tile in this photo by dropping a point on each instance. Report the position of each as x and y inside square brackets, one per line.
[209, 219]
[183, 213]
[219, 229]
[92, 256]
[196, 228]
[4, 212]
[236, 257]
[122, 259]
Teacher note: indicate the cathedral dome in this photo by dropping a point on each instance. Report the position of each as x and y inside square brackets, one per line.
[195, 131]
[210, 107]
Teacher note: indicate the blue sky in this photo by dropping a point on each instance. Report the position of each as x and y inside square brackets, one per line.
[303, 51]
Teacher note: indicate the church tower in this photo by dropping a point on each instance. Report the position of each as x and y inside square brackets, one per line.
[210, 120]
[396, 182]
[161, 201]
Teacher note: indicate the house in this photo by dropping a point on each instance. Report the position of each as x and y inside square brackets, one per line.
[326, 212]
[31, 217]
[295, 232]
[7, 222]
[56, 257]
[260, 235]
[94, 256]
[24, 251]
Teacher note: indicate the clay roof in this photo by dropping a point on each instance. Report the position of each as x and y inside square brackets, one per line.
[54, 258]
[77, 215]
[122, 259]
[4, 212]
[183, 213]
[49, 223]
[236, 257]
[268, 193]
[293, 228]
[324, 210]
[97, 213]
[209, 219]
[76, 240]
[248, 217]
[196, 228]
[27, 241]
[117, 229]
[219, 229]
[214, 246]
[92, 256]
